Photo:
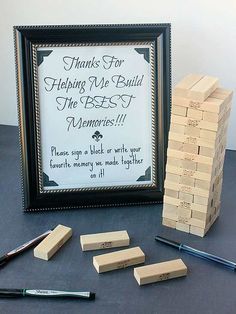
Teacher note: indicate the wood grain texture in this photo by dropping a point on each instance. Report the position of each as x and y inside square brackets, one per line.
[104, 240]
[195, 154]
[160, 271]
[53, 242]
[118, 260]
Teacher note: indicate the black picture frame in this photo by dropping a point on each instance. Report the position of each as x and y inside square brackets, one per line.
[26, 39]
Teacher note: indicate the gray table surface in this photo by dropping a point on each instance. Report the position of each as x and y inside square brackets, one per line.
[208, 288]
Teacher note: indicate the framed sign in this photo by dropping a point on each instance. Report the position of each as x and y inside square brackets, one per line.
[93, 114]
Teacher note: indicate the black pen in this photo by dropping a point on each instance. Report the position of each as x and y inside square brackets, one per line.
[7, 257]
[17, 293]
[198, 253]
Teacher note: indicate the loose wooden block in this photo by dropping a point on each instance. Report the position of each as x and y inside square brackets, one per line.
[53, 242]
[118, 259]
[104, 240]
[182, 227]
[160, 271]
[179, 110]
[168, 222]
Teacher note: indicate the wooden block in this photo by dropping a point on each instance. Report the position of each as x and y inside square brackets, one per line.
[186, 205]
[190, 165]
[203, 88]
[172, 177]
[190, 139]
[185, 213]
[186, 189]
[188, 173]
[177, 128]
[170, 211]
[201, 184]
[183, 220]
[201, 200]
[168, 222]
[182, 227]
[206, 151]
[104, 240]
[197, 231]
[182, 88]
[53, 242]
[187, 180]
[118, 259]
[175, 145]
[199, 215]
[209, 105]
[188, 156]
[192, 131]
[197, 222]
[204, 168]
[211, 116]
[216, 102]
[186, 197]
[160, 271]
[195, 114]
[190, 148]
[179, 110]
[223, 94]
[171, 193]
[212, 135]
[201, 124]
[174, 161]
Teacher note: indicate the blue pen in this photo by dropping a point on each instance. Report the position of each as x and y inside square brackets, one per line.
[197, 253]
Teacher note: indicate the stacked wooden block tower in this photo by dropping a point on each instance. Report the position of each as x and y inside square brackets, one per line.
[195, 155]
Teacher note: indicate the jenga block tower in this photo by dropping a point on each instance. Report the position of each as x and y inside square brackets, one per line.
[195, 155]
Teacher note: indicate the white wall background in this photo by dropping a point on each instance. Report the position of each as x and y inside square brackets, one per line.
[203, 36]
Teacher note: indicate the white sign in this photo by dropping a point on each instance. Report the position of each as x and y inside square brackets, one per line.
[95, 115]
